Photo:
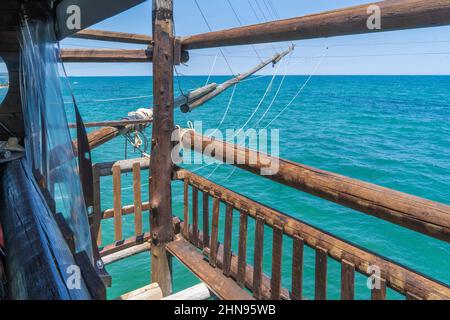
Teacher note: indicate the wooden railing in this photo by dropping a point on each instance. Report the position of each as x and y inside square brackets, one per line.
[116, 169]
[352, 258]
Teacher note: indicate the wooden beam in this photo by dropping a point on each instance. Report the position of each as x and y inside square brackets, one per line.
[398, 277]
[424, 216]
[188, 107]
[161, 165]
[126, 166]
[223, 287]
[116, 123]
[126, 253]
[395, 15]
[147, 293]
[195, 293]
[111, 36]
[105, 55]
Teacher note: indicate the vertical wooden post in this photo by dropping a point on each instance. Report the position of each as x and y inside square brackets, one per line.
[137, 198]
[163, 125]
[117, 203]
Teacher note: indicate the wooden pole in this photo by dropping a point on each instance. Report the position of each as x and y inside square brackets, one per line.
[394, 15]
[224, 86]
[161, 166]
[425, 216]
[111, 36]
[105, 55]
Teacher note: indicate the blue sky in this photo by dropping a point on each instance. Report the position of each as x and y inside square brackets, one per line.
[420, 51]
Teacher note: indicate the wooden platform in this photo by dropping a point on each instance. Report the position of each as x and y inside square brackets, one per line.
[223, 287]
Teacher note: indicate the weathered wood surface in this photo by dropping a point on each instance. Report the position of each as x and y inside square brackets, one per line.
[195, 293]
[111, 36]
[117, 192]
[137, 198]
[147, 293]
[126, 253]
[321, 268]
[297, 268]
[395, 15]
[398, 277]
[425, 216]
[125, 244]
[116, 123]
[161, 166]
[104, 55]
[265, 284]
[188, 107]
[126, 210]
[223, 287]
[347, 281]
[126, 166]
[242, 248]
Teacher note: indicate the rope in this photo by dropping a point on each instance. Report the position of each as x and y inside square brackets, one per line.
[211, 70]
[261, 101]
[240, 22]
[210, 29]
[300, 90]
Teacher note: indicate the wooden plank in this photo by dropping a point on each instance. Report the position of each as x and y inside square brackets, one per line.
[104, 55]
[242, 254]
[126, 210]
[258, 259]
[214, 232]
[147, 293]
[194, 239]
[398, 277]
[249, 275]
[117, 203]
[124, 244]
[425, 216]
[227, 240]
[379, 293]
[223, 287]
[186, 210]
[195, 293]
[412, 296]
[205, 220]
[126, 253]
[347, 280]
[321, 274]
[126, 166]
[137, 198]
[111, 36]
[394, 15]
[277, 253]
[297, 268]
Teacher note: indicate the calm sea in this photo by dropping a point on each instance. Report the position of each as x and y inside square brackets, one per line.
[392, 131]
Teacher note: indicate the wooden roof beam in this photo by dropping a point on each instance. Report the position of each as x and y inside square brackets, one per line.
[111, 36]
[394, 14]
[105, 55]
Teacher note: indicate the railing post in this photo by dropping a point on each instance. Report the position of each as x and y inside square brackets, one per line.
[163, 125]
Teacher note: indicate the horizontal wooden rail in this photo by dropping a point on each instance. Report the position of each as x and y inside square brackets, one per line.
[105, 55]
[126, 166]
[397, 277]
[117, 123]
[102, 35]
[425, 216]
[395, 15]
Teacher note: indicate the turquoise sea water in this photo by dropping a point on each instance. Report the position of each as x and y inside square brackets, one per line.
[392, 131]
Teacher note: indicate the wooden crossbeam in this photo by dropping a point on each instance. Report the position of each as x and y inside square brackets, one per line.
[111, 36]
[394, 15]
[105, 55]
